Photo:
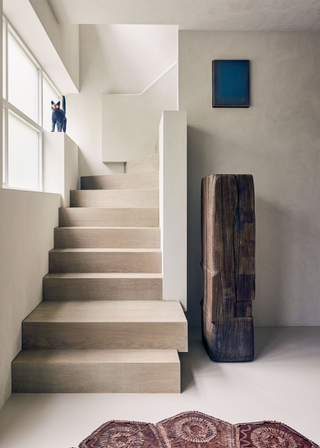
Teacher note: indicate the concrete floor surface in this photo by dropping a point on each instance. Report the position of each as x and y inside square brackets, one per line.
[282, 383]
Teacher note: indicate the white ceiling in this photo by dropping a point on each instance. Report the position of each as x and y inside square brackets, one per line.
[219, 15]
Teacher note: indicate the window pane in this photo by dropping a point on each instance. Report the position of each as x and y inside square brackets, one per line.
[4, 51]
[49, 94]
[4, 159]
[23, 155]
[22, 80]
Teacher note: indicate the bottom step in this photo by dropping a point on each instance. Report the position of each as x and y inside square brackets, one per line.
[96, 371]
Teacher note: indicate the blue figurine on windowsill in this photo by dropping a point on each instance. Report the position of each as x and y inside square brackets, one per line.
[59, 116]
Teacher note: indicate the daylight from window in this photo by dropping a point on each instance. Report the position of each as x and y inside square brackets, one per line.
[23, 155]
[23, 83]
[27, 96]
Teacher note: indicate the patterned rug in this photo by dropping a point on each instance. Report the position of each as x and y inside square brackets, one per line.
[195, 430]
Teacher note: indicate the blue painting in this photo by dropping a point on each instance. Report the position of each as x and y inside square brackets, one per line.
[231, 83]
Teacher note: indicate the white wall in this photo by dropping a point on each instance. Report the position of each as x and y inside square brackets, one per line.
[26, 236]
[173, 204]
[55, 46]
[131, 122]
[64, 37]
[114, 59]
[60, 165]
[277, 140]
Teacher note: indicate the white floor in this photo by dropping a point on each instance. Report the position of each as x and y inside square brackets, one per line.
[283, 384]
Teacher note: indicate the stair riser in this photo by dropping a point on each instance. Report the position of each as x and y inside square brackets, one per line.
[115, 198]
[104, 217]
[102, 289]
[105, 335]
[144, 262]
[96, 378]
[121, 181]
[106, 238]
[143, 165]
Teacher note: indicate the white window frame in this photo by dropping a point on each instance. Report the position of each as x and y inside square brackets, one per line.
[7, 106]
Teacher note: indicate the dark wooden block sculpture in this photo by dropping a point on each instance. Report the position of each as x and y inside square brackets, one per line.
[228, 262]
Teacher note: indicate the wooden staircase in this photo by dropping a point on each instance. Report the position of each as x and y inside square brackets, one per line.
[102, 325]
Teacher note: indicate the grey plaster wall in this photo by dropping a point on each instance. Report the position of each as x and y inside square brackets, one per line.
[277, 140]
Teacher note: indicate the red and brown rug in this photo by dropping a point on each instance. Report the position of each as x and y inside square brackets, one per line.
[195, 430]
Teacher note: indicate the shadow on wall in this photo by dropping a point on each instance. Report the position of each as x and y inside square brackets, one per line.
[90, 40]
[288, 264]
[198, 157]
[83, 165]
[269, 307]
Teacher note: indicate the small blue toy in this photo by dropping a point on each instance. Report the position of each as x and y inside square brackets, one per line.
[59, 116]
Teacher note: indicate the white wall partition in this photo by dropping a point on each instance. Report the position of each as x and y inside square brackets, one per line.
[130, 122]
[119, 59]
[26, 236]
[173, 204]
[60, 165]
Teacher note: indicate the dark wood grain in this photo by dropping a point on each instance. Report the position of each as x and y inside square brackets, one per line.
[228, 262]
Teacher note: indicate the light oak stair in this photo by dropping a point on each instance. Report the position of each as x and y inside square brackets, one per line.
[106, 324]
[106, 237]
[146, 164]
[113, 217]
[121, 181]
[102, 325]
[148, 198]
[127, 371]
[105, 286]
[105, 260]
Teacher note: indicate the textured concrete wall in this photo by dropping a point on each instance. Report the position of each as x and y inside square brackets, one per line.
[277, 140]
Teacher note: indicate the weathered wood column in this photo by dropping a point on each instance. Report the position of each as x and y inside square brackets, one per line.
[228, 262]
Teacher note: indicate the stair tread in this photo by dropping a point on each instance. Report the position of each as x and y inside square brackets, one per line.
[116, 175]
[126, 311]
[154, 155]
[97, 356]
[148, 163]
[106, 237]
[118, 190]
[121, 181]
[127, 228]
[107, 250]
[102, 286]
[124, 209]
[125, 198]
[106, 216]
[107, 275]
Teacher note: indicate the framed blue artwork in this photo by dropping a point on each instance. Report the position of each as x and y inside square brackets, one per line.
[231, 83]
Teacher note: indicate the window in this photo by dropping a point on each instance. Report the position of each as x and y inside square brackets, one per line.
[23, 154]
[23, 80]
[27, 94]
